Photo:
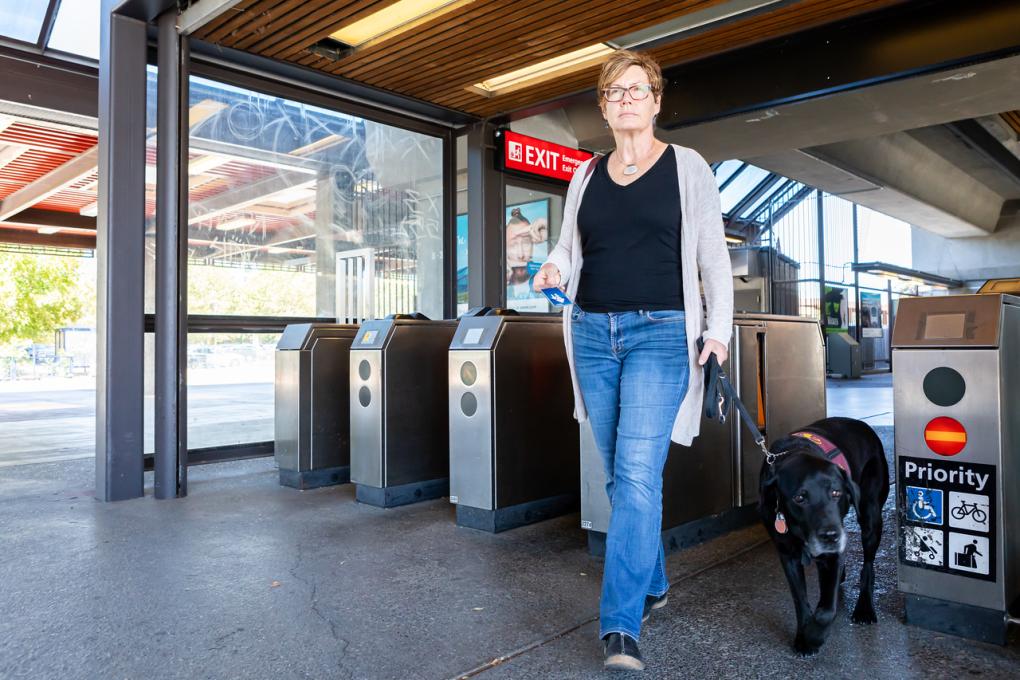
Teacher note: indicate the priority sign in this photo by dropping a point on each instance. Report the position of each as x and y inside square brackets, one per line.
[945, 504]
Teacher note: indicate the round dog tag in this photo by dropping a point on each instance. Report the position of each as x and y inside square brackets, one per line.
[780, 524]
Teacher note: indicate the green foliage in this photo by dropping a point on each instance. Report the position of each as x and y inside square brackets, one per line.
[256, 292]
[38, 294]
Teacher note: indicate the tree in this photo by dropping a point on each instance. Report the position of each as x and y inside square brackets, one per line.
[37, 295]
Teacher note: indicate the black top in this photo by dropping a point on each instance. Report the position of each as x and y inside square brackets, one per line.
[630, 240]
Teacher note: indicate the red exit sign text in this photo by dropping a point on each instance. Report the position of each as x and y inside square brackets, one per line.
[539, 157]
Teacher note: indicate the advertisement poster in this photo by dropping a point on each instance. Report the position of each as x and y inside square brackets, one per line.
[834, 304]
[527, 246]
[462, 264]
[871, 315]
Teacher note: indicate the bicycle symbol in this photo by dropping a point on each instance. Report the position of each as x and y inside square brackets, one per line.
[969, 509]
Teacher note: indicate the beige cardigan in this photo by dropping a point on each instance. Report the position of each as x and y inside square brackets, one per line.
[703, 248]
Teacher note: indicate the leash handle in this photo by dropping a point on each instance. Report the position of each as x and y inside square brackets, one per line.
[720, 394]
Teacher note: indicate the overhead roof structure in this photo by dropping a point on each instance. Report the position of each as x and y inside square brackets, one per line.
[442, 57]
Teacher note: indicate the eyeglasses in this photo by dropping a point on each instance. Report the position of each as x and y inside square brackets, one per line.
[637, 92]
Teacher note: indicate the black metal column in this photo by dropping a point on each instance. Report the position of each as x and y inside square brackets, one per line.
[120, 249]
[821, 255]
[449, 225]
[171, 423]
[486, 269]
[857, 282]
[892, 321]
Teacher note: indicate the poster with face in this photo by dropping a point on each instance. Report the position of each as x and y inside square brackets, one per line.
[527, 246]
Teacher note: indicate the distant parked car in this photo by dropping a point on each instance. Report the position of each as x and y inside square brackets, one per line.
[214, 356]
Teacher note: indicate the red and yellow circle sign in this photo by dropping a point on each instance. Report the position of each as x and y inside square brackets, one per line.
[945, 436]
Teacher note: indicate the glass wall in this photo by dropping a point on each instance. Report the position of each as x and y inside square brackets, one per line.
[294, 210]
[880, 239]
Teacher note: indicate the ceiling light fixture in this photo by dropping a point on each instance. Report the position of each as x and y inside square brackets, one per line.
[543, 70]
[48, 230]
[394, 19]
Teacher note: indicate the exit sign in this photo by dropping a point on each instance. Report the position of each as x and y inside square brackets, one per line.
[539, 157]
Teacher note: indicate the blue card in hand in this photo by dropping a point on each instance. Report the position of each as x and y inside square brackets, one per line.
[557, 297]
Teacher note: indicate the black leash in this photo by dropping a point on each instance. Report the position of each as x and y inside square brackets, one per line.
[719, 395]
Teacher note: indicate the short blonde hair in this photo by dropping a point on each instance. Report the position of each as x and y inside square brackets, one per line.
[620, 61]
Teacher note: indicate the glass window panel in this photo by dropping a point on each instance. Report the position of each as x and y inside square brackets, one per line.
[882, 238]
[787, 194]
[724, 171]
[76, 29]
[230, 388]
[22, 19]
[286, 200]
[761, 199]
[47, 355]
[742, 185]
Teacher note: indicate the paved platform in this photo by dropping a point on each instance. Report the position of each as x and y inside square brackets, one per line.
[247, 579]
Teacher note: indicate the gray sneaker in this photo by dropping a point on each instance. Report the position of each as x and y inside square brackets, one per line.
[652, 602]
[622, 653]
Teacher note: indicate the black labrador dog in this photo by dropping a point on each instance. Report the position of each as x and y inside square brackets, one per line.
[818, 473]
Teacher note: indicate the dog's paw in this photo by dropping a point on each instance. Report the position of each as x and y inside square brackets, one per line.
[864, 615]
[804, 647]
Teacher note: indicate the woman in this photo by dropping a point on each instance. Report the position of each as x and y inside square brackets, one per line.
[638, 227]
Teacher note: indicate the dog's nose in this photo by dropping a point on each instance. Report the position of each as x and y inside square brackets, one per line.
[829, 536]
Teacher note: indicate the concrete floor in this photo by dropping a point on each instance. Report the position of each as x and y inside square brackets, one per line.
[247, 579]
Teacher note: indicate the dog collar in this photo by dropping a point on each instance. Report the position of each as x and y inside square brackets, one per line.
[830, 451]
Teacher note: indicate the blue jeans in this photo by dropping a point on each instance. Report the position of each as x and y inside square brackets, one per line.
[632, 369]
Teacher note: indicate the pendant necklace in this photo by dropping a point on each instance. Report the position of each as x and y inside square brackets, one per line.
[630, 169]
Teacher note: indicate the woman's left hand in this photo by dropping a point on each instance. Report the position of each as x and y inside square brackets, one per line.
[713, 347]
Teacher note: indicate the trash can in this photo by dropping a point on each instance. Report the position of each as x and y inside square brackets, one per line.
[514, 457]
[311, 404]
[400, 443]
[956, 388]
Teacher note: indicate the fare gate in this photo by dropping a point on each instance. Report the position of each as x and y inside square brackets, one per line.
[956, 389]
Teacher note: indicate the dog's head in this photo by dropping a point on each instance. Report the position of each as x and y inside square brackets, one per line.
[814, 495]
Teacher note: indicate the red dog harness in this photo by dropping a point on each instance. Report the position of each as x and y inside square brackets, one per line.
[829, 450]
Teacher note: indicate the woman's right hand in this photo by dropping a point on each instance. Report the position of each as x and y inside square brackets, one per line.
[547, 277]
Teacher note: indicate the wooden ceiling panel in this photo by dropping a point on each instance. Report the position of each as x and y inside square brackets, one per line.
[289, 35]
[480, 24]
[243, 17]
[481, 60]
[438, 60]
[211, 28]
[1012, 119]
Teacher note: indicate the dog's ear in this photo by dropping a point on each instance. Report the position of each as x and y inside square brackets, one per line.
[851, 488]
